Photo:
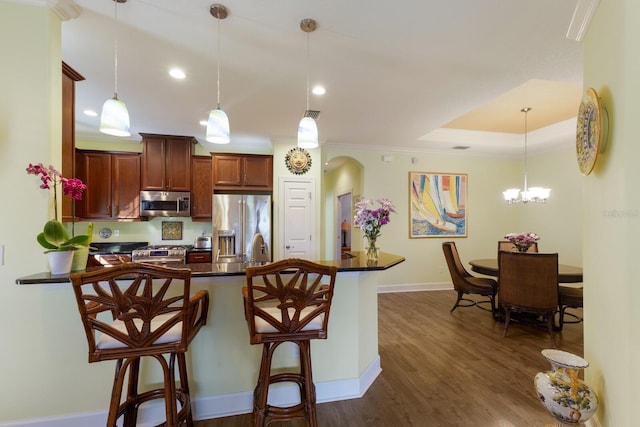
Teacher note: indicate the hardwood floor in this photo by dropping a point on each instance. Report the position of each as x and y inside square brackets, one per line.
[442, 369]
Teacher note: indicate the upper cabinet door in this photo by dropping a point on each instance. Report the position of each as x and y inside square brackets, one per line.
[153, 174]
[178, 164]
[227, 171]
[258, 172]
[126, 186]
[94, 168]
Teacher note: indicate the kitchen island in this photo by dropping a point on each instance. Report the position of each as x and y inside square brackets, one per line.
[224, 366]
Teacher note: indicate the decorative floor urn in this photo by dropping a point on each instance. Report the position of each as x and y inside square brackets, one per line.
[560, 390]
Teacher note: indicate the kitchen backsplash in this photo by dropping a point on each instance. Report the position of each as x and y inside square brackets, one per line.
[157, 231]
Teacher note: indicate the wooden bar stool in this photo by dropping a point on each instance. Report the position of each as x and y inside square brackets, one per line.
[287, 301]
[136, 310]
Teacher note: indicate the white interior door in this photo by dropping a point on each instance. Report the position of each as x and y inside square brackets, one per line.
[298, 219]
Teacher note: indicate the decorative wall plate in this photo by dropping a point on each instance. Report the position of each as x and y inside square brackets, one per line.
[298, 161]
[591, 131]
[105, 233]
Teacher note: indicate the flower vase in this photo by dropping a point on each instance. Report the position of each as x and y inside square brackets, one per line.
[560, 390]
[522, 248]
[80, 257]
[372, 251]
[60, 262]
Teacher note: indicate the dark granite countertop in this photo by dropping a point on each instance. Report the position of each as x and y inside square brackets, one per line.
[357, 263]
[102, 248]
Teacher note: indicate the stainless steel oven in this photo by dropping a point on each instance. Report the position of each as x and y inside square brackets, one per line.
[160, 254]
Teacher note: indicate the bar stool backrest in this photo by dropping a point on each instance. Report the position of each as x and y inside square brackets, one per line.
[137, 309]
[288, 299]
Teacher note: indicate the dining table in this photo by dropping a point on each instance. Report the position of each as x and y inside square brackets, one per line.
[489, 267]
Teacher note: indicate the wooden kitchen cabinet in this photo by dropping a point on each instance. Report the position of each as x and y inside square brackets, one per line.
[166, 162]
[201, 188]
[113, 185]
[242, 172]
[196, 257]
[68, 169]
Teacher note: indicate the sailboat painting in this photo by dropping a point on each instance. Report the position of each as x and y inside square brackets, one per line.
[438, 205]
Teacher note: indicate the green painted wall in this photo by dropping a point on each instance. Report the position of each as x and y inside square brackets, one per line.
[611, 216]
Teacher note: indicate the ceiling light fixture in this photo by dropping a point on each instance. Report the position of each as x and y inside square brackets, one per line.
[308, 129]
[218, 124]
[533, 194]
[115, 116]
[177, 74]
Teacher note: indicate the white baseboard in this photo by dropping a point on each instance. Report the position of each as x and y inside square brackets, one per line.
[415, 287]
[220, 406]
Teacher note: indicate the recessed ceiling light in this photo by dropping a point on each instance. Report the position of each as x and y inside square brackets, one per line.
[90, 113]
[203, 122]
[318, 90]
[177, 73]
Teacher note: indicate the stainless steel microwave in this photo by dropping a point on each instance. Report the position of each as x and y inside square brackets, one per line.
[165, 203]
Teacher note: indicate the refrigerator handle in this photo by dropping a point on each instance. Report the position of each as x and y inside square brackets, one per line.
[243, 224]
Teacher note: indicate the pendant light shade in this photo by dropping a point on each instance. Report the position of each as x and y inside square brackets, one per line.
[114, 119]
[307, 128]
[218, 127]
[218, 131]
[307, 133]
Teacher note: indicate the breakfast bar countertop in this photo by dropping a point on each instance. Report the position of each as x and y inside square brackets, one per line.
[357, 263]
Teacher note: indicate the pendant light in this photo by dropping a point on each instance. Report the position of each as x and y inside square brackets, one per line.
[218, 123]
[308, 129]
[533, 194]
[115, 116]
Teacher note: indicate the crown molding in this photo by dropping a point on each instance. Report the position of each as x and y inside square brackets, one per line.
[581, 19]
[65, 9]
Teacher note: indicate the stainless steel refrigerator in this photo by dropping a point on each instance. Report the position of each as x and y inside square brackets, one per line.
[242, 228]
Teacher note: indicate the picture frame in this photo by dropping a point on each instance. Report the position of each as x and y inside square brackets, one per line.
[171, 230]
[438, 204]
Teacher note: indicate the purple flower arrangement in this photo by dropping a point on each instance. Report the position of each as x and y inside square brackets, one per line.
[72, 187]
[370, 220]
[522, 241]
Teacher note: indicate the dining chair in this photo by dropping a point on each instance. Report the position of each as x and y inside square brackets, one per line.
[506, 245]
[287, 301]
[528, 284]
[569, 297]
[465, 283]
[133, 311]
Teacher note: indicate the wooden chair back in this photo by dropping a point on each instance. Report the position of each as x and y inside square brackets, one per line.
[506, 245]
[288, 300]
[528, 281]
[137, 309]
[458, 273]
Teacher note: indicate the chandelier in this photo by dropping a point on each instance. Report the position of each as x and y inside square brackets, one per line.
[533, 194]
